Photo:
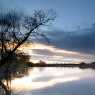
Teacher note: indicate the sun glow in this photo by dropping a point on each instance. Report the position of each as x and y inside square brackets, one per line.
[58, 55]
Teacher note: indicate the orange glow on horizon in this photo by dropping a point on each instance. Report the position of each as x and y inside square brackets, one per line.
[59, 55]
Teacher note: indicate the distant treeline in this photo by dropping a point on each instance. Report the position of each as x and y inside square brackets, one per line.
[81, 65]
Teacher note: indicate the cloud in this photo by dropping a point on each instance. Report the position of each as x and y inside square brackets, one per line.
[43, 52]
[55, 54]
[82, 40]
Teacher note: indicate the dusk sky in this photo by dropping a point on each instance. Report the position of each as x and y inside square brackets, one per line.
[72, 34]
[71, 13]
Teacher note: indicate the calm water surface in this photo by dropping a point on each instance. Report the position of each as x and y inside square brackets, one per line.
[56, 81]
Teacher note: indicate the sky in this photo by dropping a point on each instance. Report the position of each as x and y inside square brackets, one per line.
[72, 32]
[71, 13]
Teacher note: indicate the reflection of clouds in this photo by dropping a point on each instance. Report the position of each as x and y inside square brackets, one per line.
[59, 73]
[49, 77]
[40, 85]
[78, 87]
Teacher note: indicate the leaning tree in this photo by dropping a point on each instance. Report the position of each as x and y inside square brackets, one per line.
[15, 30]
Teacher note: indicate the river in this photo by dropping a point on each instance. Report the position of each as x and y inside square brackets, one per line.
[56, 81]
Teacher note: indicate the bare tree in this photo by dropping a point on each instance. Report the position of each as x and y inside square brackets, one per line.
[15, 30]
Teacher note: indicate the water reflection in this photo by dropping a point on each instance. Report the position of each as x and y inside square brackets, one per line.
[56, 81]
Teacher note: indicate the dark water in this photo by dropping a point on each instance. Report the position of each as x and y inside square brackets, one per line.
[56, 81]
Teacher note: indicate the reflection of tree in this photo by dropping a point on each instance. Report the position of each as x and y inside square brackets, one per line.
[15, 30]
[16, 67]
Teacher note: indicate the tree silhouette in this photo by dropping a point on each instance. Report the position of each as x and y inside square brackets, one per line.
[15, 30]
